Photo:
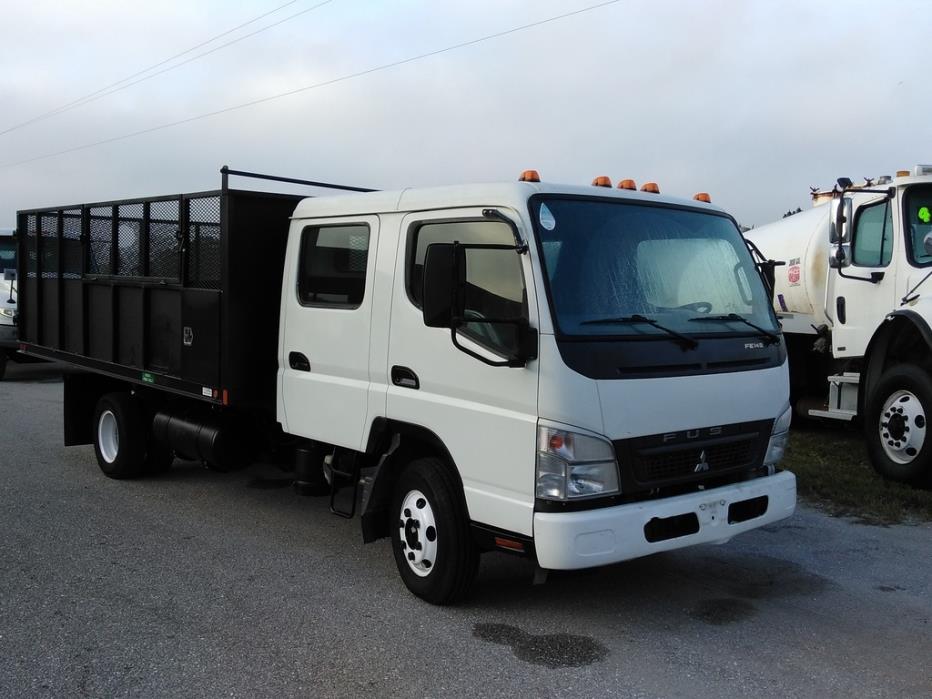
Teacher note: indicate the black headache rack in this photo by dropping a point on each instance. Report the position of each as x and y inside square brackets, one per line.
[179, 292]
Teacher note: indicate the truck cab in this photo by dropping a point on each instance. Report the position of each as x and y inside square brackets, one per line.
[590, 374]
[855, 305]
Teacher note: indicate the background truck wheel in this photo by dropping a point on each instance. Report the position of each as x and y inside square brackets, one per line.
[3, 360]
[898, 439]
[119, 436]
[431, 539]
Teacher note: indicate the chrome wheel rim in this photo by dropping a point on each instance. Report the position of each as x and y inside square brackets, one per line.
[418, 529]
[902, 427]
[108, 436]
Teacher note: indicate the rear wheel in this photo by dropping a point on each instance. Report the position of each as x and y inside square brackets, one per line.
[119, 436]
[3, 361]
[898, 409]
[431, 539]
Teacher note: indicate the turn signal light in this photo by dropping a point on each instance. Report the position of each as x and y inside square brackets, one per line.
[601, 181]
[509, 544]
[703, 196]
[529, 176]
[627, 184]
[902, 173]
[651, 187]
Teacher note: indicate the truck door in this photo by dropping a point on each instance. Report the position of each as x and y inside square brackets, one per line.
[855, 303]
[326, 318]
[485, 416]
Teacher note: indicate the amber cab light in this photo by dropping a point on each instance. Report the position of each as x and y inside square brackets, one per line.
[651, 187]
[529, 176]
[703, 196]
[627, 184]
[902, 173]
[602, 181]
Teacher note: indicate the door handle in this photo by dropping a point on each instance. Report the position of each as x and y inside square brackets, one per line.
[298, 361]
[405, 378]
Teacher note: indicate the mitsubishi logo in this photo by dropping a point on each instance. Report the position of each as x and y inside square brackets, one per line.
[703, 465]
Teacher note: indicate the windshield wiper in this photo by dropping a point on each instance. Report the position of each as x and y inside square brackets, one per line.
[772, 338]
[684, 340]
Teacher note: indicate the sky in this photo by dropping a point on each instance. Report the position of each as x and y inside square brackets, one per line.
[752, 101]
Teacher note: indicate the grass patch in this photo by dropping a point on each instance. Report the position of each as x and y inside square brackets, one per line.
[832, 470]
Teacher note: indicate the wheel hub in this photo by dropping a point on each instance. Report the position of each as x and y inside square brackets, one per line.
[108, 436]
[418, 529]
[902, 427]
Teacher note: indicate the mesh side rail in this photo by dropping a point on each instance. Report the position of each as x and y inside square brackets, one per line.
[204, 230]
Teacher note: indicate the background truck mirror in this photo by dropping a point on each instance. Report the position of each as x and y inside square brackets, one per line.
[841, 257]
[841, 221]
[9, 275]
[444, 276]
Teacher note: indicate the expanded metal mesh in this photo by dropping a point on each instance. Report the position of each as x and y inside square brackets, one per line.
[71, 243]
[31, 246]
[48, 225]
[129, 243]
[204, 242]
[164, 240]
[100, 242]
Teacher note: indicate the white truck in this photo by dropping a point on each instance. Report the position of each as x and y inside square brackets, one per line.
[855, 306]
[8, 332]
[579, 375]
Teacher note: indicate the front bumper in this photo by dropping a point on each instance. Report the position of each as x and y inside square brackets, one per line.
[9, 336]
[607, 535]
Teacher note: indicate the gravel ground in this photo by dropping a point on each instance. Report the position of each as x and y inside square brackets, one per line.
[202, 584]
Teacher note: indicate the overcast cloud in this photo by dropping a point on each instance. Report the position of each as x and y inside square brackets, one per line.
[750, 101]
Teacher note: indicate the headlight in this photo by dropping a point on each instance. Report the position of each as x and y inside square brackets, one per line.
[8, 312]
[572, 465]
[778, 438]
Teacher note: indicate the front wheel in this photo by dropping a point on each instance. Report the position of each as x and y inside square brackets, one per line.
[431, 539]
[896, 425]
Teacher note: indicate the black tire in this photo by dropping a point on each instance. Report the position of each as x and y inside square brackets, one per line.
[3, 360]
[449, 578]
[123, 457]
[902, 422]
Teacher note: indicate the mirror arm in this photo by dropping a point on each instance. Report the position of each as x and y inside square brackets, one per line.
[520, 245]
[476, 355]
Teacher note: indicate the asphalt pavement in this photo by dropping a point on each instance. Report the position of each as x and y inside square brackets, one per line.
[200, 584]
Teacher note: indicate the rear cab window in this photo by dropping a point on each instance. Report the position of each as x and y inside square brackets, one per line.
[332, 265]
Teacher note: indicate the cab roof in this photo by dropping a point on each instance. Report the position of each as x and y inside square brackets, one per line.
[509, 194]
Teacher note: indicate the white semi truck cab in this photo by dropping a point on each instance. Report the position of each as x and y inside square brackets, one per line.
[855, 302]
[580, 375]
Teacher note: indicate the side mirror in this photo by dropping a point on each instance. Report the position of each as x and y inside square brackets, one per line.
[927, 243]
[9, 275]
[841, 221]
[841, 257]
[444, 277]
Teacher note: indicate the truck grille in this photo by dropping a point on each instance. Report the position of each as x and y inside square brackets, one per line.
[691, 456]
[683, 463]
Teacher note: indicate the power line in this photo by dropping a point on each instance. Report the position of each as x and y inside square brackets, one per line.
[313, 86]
[108, 89]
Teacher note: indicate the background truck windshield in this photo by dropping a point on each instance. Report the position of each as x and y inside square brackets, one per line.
[7, 255]
[608, 261]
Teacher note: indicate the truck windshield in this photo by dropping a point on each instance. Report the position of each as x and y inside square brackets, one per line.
[607, 262]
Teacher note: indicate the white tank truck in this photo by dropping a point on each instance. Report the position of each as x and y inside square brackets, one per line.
[856, 310]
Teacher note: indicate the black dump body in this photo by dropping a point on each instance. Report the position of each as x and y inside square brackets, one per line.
[175, 292]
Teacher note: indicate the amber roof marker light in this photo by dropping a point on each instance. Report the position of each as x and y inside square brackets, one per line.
[529, 176]
[602, 181]
[627, 184]
[651, 187]
[703, 196]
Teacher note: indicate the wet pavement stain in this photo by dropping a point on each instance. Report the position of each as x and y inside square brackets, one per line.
[549, 650]
[890, 588]
[269, 483]
[719, 612]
